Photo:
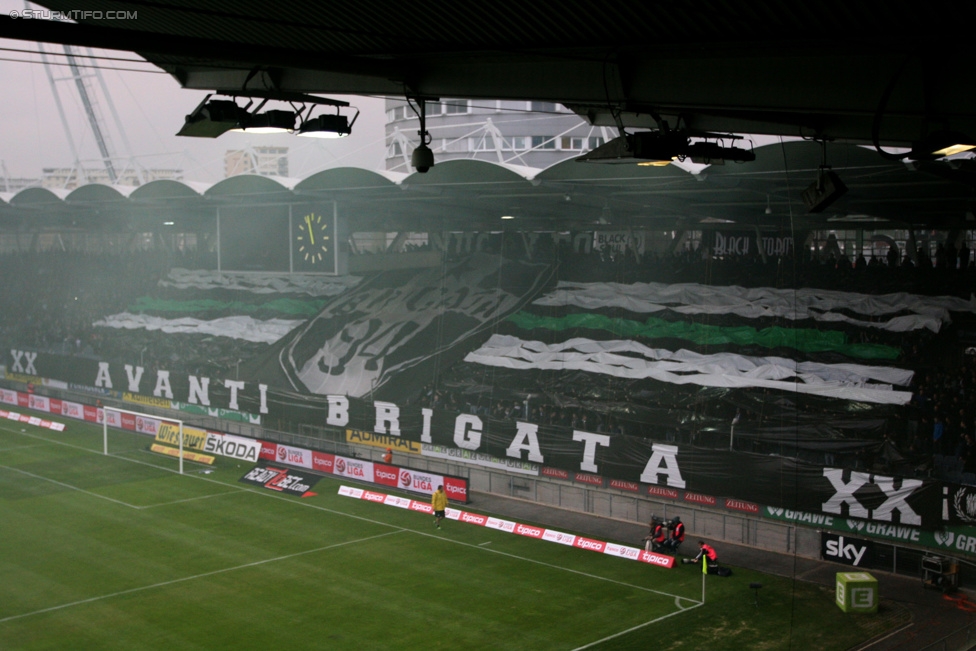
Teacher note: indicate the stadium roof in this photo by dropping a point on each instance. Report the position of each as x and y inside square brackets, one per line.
[881, 72]
[474, 195]
[838, 69]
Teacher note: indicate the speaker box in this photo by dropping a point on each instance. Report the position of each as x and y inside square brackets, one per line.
[824, 191]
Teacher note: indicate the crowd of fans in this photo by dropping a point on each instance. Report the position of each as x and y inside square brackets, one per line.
[51, 299]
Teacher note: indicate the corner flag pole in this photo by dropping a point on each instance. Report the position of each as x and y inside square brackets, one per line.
[704, 574]
[181, 447]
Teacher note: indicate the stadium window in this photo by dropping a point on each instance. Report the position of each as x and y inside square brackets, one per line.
[572, 144]
[455, 146]
[543, 142]
[396, 151]
[391, 114]
[508, 105]
[517, 143]
[546, 107]
[455, 106]
[483, 143]
[595, 142]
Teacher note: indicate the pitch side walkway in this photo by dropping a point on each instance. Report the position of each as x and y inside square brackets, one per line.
[933, 617]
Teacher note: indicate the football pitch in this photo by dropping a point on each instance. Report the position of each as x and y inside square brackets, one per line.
[122, 552]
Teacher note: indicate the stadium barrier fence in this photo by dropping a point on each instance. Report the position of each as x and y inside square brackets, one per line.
[732, 527]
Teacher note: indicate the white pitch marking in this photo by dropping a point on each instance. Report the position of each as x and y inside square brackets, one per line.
[556, 567]
[191, 499]
[484, 543]
[74, 488]
[288, 500]
[197, 576]
[19, 447]
[634, 628]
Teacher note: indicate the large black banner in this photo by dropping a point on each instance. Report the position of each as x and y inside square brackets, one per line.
[747, 243]
[649, 461]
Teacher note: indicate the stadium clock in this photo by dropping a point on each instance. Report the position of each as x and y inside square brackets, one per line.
[314, 240]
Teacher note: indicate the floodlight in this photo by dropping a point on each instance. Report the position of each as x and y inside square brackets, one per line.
[658, 148]
[824, 191]
[940, 144]
[212, 118]
[326, 126]
[274, 121]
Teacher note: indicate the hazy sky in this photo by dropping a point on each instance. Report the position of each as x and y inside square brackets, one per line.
[151, 107]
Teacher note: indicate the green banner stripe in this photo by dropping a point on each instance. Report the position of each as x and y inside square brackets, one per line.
[803, 339]
[289, 306]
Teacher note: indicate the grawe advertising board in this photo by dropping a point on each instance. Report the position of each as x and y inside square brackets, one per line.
[950, 539]
[517, 528]
[407, 479]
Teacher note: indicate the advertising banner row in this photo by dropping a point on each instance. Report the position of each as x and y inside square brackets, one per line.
[916, 511]
[31, 420]
[406, 479]
[245, 449]
[540, 533]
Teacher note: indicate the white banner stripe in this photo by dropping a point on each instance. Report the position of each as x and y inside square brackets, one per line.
[632, 360]
[236, 327]
[752, 303]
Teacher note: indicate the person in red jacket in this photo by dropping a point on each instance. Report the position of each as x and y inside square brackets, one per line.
[676, 535]
[708, 552]
[655, 539]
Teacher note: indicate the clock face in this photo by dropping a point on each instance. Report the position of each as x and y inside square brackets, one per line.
[314, 240]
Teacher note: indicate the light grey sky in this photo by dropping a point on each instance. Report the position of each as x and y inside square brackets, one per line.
[151, 108]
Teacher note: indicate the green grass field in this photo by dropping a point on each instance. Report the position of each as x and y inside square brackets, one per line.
[121, 552]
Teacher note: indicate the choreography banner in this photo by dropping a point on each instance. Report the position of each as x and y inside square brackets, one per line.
[806, 340]
[396, 325]
[927, 311]
[632, 360]
[650, 465]
[259, 283]
[236, 327]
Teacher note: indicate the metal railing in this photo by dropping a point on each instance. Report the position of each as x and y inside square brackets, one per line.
[962, 640]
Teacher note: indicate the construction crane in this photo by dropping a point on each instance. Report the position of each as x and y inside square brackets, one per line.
[89, 84]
